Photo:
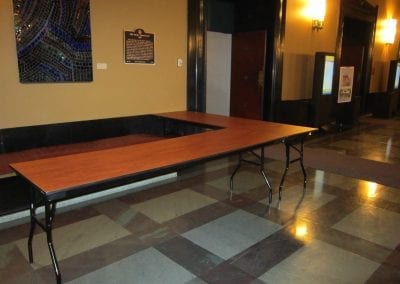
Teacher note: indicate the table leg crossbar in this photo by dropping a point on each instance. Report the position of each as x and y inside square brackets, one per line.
[258, 162]
[290, 144]
[50, 211]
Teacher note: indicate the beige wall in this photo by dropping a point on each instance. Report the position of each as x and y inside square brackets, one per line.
[384, 53]
[300, 46]
[121, 90]
[301, 43]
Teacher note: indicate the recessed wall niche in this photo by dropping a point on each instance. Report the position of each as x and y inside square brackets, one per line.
[53, 40]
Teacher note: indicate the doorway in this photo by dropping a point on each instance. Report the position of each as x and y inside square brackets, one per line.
[355, 46]
[248, 16]
[356, 35]
[235, 58]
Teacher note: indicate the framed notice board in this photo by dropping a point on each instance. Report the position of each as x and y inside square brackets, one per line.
[138, 47]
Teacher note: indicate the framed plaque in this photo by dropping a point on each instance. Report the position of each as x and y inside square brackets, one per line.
[138, 47]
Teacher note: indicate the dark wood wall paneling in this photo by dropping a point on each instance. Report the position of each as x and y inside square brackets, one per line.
[196, 77]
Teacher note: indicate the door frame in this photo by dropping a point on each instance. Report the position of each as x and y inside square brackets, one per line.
[364, 11]
[196, 58]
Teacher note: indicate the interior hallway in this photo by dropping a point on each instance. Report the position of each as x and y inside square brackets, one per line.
[342, 230]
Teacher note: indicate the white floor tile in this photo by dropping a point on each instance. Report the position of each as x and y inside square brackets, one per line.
[242, 182]
[319, 262]
[148, 266]
[173, 205]
[74, 239]
[231, 234]
[374, 224]
[294, 202]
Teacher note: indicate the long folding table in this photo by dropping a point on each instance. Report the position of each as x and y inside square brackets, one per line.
[55, 179]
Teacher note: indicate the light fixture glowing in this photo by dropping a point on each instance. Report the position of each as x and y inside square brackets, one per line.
[317, 10]
[301, 230]
[389, 31]
[372, 186]
[368, 189]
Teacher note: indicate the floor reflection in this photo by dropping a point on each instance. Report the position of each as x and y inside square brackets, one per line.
[338, 230]
[372, 138]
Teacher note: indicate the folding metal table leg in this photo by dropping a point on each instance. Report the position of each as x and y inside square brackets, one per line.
[234, 173]
[259, 163]
[287, 163]
[301, 162]
[289, 144]
[50, 209]
[262, 169]
[32, 211]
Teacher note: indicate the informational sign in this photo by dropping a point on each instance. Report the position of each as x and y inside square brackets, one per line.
[138, 47]
[345, 84]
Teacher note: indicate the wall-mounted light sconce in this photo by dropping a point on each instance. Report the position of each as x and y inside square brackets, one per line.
[317, 25]
[317, 10]
[389, 31]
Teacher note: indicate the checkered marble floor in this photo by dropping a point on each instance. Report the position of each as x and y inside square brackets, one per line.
[191, 230]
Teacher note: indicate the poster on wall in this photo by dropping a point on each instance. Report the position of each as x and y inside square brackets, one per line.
[345, 84]
[138, 47]
[53, 40]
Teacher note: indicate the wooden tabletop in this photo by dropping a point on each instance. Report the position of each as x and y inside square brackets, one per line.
[64, 173]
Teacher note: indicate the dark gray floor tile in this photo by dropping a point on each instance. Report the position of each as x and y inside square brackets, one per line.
[227, 273]
[187, 254]
[264, 255]
[199, 217]
[385, 274]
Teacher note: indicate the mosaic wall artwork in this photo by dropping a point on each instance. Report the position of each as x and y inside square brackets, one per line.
[53, 40]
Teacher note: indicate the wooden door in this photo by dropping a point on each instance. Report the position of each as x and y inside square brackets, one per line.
[248, 74]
